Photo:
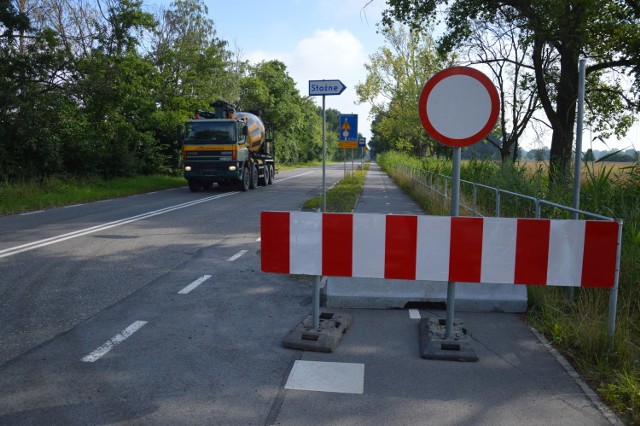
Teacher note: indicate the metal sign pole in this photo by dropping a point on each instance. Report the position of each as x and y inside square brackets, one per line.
[455, 202]
[324, 157]
[316, 284]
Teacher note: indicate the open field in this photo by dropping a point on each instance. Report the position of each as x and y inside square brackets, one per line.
[615, 168]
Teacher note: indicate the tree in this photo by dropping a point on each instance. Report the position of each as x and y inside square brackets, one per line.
[269, 88]
[604, 31]
[501, 48]
[191, 59]
[396, 75]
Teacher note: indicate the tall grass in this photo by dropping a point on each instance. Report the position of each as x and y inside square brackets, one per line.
[55, 192]
[577, 327]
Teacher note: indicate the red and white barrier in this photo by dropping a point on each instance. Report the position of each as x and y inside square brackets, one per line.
[441, 248]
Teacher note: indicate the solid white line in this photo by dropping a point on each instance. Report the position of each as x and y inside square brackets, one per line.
[237, 255]
[116, 340]
[28, 213]
[295, 176]
[194, 284]
[414, 314]
[53, 240]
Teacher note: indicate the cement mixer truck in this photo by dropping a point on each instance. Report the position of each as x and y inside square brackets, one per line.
[230, 148]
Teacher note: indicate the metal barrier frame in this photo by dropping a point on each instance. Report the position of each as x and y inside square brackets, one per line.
[441, 186]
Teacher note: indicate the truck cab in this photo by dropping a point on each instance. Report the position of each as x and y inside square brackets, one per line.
[225, 147]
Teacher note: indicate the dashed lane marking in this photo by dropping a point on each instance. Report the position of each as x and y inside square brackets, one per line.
[236, 256]
[113, 342]
[194, 284]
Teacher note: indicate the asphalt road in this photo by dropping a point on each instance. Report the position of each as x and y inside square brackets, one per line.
[152, 310]
[80, 280]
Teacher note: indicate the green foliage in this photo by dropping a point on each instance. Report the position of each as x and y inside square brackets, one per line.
[269, 88]
[602, 31]
[80, 98]
[396, 75]
[61, 191]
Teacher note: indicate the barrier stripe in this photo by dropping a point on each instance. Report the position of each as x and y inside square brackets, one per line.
[600, 251]
[439, 248]
[274, 242]
[532, 251]
[466, 249]
[566, 245]
[434, 248]
[306, 243]
[499, 239]
[368, 231]
[400, 247]
[337, 253]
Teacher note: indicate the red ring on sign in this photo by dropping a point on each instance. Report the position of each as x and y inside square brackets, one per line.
[433, 82]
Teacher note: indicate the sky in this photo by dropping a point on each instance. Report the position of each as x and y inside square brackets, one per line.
[326, 40]
[315, 39]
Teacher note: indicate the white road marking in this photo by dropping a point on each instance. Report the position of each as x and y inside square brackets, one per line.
[116, 340]
[338, 377]
[295, 176]
[53, 240]
[194, 284]
[414, 314]
[72, 205]
[258, 239]
[28, 213]
[237, 255]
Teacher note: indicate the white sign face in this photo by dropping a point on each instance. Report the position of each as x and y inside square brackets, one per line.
[459, 106]
[325, 87]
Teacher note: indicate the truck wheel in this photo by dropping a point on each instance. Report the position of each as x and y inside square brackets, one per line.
[195, 186]
[264, 180]
[272, 173]
[254, 177]
[246, 178]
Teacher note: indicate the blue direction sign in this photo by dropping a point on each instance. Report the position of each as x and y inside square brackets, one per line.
[348, 127]
[325, 87]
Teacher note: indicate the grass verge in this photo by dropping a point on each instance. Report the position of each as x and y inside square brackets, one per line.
[344, 195]
[56, 192]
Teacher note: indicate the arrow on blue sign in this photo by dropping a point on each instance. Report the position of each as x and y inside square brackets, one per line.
[325, 87]
[348, 127]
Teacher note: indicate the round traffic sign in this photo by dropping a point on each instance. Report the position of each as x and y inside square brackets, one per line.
[459, 106]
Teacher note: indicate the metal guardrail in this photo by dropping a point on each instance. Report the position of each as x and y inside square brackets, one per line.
[440, 185]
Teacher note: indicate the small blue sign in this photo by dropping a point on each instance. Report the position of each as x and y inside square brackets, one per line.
[348, 127]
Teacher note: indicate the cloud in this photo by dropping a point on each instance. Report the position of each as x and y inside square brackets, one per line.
[327, 54]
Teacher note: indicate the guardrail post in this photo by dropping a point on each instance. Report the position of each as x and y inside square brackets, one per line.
[475, 199]
[613, 294]
[497, 203]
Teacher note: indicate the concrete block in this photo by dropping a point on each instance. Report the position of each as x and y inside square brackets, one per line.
[374, 293]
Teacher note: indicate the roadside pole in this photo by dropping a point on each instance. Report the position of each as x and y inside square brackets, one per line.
[458, 107]
[455, 203]
[577, 161]
[320, 332]
[318, 281]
